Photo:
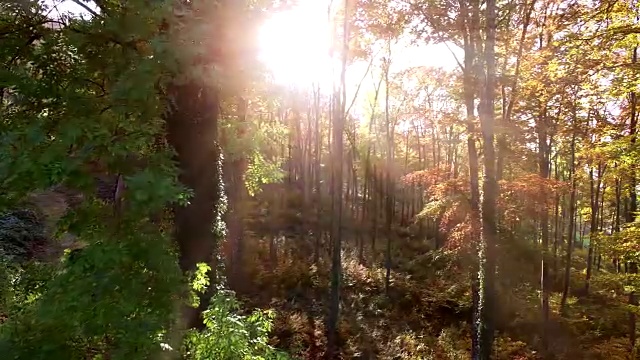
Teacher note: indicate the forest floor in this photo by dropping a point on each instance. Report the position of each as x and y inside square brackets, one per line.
[427, 313]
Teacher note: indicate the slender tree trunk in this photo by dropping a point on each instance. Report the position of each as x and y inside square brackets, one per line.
[618, 189]
[633, 203]
[375, 213]
[489, 197]
[595, 193]
[596, 248]
[369, 176]
[557, 222]
[571, 232]
[543, 168]
[470, 79]
[318, 176]
[404, 213]
[336, 230]
[388, 191]
[580, 225]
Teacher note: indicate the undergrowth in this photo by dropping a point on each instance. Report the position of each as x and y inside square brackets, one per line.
[427, 313]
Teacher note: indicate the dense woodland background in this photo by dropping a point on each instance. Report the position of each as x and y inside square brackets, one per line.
[486, 211]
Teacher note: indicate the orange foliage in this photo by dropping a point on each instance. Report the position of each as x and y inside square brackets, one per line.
[528, 196]
[524, 197]
[425, 178]
[463, 236]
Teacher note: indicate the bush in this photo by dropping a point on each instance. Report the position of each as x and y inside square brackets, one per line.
[230, 335]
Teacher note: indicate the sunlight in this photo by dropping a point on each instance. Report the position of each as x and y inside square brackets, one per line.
[433, 55]
[59, 7]
[295, 45]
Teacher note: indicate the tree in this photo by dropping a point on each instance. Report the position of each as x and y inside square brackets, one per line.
[339, 118]
[486, 302]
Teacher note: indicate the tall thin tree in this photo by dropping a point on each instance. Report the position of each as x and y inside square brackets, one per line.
[337, 186]
[486, 275]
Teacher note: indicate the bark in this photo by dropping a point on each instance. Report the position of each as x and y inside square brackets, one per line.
[543, 168]
[369, 174]
[192, 131]
[389, 188]
[633, 204]
[571, 232]
[595, 193]
[318, 176]
[557, 222]
[236, 192]
[486, 308]
[336, 229]
[470, 78]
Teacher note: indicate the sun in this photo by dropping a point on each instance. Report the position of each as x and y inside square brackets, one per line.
[295, 44]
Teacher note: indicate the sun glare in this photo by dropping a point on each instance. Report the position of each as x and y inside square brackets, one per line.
[294, 45]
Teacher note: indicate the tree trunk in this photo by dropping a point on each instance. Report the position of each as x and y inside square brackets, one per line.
[571, 232]
[192, 131]
[543, 168]
[369, 179]
[388, 191]
[486, 308]
[558, 228]
[336, 182]
[237, 191]
[318, 177]
[470, 79]
[595, 193]
[633, 203]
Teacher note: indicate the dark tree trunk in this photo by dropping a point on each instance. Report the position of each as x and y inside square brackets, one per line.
[236, 193]
[192, 131]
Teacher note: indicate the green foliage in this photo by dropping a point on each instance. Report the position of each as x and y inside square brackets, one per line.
[259, 172]
[22, 284]
[82, 95]
[229, 335]
[254, 145]
[87, 308]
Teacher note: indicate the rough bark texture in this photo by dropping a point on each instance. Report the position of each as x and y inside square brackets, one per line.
[192, 131]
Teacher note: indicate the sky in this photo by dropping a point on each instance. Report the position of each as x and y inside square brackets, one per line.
[307, 28]
[295, 47]
[67, 6]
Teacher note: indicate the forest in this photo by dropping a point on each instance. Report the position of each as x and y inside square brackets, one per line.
[319, 179]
